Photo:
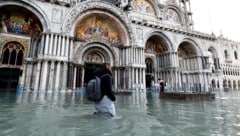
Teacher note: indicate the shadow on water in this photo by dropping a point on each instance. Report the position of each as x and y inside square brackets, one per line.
[70, 113]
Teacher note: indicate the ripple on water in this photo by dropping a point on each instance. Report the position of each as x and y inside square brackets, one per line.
[140, 114]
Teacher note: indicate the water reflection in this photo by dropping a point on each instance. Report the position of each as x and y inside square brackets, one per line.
[69, 113]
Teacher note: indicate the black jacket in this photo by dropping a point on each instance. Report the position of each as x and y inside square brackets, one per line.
[106, 82]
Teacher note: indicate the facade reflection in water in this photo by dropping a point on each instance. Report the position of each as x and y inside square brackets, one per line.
[69, 113]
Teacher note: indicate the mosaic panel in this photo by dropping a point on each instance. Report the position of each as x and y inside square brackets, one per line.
[142, 6]
[98, 26]
[19, 20]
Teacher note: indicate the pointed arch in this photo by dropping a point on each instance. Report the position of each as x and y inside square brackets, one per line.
[6, 54]
[19, 58]
[13, 53]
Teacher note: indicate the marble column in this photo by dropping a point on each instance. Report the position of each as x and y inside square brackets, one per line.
[59, 45]
[144, 78]
[55, 45]
[64, 76]
[83, 74]
[36, 86]
[127, 56]
[70, 49]
[57, 76]
[51, 44]
[67, 46]
[46, 44]
[44, 74]
[28, 76]
[42, 45]
[63, 45]
[51, 76]
[115, 80]
[21, 85]
[74, 77]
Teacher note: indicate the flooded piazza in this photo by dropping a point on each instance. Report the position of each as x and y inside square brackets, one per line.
[138, 114]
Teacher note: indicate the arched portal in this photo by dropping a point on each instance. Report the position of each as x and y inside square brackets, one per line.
[234, 84]
[149, 72]
[213, 59]
[93, 58]
[156, 45]
[191, 61]
[88, 58]
[99, 36]
[11, 65]
[157, 57]
[21, 26]
[229, 84]
[225, 83]
[214, 84]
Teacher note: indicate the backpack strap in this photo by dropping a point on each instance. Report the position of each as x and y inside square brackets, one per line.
[105, 75]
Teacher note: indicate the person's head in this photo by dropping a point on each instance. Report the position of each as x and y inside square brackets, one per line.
[107, 66]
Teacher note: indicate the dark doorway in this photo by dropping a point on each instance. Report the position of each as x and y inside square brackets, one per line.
[149, 72]
[149, 79]
[9, 79]
[89, 69]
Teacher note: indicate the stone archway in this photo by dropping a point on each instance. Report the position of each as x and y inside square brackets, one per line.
[88, 58]
[157, 55]
[214, 84]
[190, 61]
[213, 59]
[225, 83]
[11, 62]
[93, 59]
[149, 72]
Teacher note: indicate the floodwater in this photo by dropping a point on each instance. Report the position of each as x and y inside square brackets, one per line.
[139, 114]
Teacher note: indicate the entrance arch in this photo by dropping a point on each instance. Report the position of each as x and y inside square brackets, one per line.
[11, 61]
[149, 72]
[93, 58]
[191, 62]
[88, 58]
[158, 58]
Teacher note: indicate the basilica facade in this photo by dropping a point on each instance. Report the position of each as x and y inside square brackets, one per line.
[51, 45]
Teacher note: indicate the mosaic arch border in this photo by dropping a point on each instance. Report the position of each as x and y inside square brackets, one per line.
[82, 50]
[72, 18]
[194, 43]
[160, 34]
[35, 9]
